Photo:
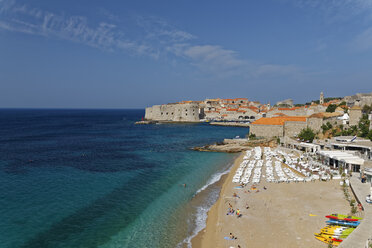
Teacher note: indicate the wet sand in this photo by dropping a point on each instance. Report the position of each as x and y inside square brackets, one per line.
[277, 217]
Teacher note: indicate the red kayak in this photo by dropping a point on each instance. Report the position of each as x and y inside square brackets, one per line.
[337, 240]
[338, 218]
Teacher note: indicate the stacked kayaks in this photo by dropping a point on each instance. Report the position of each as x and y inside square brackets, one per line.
[339, 227]
[343, 217]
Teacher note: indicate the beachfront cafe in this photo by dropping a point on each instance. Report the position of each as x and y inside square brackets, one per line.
[341, 159]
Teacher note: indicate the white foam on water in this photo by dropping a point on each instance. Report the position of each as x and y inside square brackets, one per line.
[215, 178]
[200, 222]
[201, 214]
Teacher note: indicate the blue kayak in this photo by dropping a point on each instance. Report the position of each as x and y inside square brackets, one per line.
[343, 223]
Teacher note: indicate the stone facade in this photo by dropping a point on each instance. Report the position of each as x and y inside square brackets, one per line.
[355, 114]
[267, 130]
[315, 123]
[321, 98]
[359, 99]
[178, 112]
[296, 111]
[288, 102]
[293, 128]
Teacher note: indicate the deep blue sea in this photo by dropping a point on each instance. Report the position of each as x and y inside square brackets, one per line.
[91, 178]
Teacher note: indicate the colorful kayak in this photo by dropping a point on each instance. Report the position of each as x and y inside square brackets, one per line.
[328, 240]
[343, 223]
[329, 236]
[343, 217]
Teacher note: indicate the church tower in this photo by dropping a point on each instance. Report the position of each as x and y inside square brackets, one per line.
[321, 99]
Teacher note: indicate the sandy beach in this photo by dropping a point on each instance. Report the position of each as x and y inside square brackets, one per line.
[284, 215]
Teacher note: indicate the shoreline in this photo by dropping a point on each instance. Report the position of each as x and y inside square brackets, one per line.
[213, 213]
[291, 213]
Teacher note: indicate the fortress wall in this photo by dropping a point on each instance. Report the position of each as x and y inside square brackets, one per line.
[173, 112]
[267, 130]
[293, 128]
[315, 124]
[354, 116]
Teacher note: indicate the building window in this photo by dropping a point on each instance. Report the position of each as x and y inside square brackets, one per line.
[186, 114]
[161, 112]
[167, 113]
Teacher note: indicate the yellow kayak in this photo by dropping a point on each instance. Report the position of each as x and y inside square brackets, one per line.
[328, 239]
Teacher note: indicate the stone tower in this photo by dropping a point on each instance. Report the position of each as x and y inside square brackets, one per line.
[321, 99]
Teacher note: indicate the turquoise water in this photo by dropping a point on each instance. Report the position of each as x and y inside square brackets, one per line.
[91, 178]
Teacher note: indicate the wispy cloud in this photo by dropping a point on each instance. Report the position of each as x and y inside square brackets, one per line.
[155, 38]
[225, 63]
[158, 29]
[107, 36]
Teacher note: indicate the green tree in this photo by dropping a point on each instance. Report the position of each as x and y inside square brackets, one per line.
[343, 103]
[307, 134]
[329, 125]
[369, 136]
[363, 126]
[331, 108]
[367, 109]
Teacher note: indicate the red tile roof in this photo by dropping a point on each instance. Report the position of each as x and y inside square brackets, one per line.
[279, 120]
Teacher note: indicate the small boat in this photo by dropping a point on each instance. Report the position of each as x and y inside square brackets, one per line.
[343, 223]
[328, 240]
[343, 217]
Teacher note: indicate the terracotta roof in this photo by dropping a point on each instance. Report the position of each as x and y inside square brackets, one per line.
[279, 120]
[231, 109]
[280, 114]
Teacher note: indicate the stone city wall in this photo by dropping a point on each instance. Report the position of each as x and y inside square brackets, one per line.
[293, 128]
[188, 112]
[354, 116]
[267, 130]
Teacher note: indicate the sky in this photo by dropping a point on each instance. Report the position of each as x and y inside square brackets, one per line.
[134, 54]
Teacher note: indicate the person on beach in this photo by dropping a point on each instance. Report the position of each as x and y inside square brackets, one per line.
[264, 188]
[238, 214]
[231, 236]
[235, 195]
[246, 206]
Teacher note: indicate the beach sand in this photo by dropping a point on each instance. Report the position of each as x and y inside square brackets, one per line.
[277, 217]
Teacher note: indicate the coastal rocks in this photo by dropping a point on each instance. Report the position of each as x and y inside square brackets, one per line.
[235, 145]
[144, 122]
[230, 124]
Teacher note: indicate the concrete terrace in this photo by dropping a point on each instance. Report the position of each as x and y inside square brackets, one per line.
[363, 232]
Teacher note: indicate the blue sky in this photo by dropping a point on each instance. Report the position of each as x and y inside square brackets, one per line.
[132, 54]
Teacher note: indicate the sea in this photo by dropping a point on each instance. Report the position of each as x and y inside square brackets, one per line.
[91, 178]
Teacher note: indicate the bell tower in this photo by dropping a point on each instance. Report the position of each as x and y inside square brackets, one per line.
[321, 99]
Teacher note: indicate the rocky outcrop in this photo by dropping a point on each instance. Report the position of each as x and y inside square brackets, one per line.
[230, 124]
[238, 146]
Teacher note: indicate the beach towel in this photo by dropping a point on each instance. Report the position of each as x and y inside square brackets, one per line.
[228, 238]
